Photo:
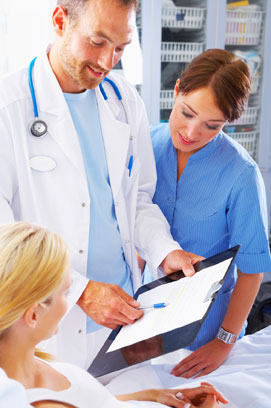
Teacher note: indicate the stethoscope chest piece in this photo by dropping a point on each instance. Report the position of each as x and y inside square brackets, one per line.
[38, 128]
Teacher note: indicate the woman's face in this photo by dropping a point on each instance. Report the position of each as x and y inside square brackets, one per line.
[53, 311]
[195, 119]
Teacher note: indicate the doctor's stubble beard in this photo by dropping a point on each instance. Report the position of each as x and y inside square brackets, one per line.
[78, 71]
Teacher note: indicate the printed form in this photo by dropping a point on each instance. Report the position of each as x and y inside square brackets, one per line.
[188, 298]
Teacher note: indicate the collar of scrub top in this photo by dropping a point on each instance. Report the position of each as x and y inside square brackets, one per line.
[39, 127]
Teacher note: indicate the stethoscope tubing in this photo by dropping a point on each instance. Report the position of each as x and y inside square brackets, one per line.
[34, 127]
[31, 87]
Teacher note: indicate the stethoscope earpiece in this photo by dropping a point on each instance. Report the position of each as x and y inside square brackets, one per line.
[38, 128]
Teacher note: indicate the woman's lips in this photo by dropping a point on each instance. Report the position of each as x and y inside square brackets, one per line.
[97, 74]
[185, 141]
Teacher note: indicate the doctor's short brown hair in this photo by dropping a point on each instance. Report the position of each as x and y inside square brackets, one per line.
[74, 7]
[228, 76]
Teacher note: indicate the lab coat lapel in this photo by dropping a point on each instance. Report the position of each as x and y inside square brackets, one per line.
[54, 110]
[116, 140]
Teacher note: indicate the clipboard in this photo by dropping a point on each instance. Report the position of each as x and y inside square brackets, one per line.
[106, 362]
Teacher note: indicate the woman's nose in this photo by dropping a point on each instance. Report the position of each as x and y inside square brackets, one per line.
[193, 131]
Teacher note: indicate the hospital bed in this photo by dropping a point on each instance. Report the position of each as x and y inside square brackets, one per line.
[244, 378]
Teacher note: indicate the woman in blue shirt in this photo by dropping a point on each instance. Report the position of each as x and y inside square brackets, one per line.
[213, 196]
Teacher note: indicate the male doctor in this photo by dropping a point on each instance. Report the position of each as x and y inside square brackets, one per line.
[92, 176]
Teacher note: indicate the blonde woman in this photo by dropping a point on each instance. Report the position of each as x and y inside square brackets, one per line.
[34, 281]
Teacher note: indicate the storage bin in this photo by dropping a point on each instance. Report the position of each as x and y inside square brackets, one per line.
[247, 140]
[166, 99]
[190, 18]
[180, 51]
[243, 27]
[249, 117]
[255, 85]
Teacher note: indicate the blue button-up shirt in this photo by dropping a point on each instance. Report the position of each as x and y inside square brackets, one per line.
[218, 202]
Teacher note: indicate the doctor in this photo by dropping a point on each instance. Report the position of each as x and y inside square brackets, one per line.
[76, 157]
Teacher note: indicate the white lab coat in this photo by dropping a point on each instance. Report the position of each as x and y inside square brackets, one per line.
[58, 198]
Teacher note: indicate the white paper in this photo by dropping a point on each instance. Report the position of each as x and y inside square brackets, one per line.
[187, 303]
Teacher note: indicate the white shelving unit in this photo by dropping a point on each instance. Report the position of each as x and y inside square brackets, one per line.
[243, 27]
[175, 31]
[180, 51]
[191, 18]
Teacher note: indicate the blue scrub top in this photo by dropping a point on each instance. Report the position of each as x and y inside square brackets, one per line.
[218, 202]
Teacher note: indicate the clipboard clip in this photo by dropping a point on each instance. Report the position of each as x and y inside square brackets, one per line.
[213, 291]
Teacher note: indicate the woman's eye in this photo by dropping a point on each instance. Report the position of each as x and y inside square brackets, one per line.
[187, 115]
[212, 127]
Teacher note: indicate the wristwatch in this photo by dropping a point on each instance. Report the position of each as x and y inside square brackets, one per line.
[226, 337]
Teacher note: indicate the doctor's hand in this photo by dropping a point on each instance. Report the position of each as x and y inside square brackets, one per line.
[204, 360]
[180, 260]
[108, 305]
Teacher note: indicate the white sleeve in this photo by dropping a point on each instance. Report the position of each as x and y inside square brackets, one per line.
[79, 283]
[8, 179]
[152, 232]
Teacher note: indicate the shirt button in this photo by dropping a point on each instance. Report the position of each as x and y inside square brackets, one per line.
[170, 200]
[80, 331]
[83, 204]
[116, 203]
[81, 251]
[127, 241]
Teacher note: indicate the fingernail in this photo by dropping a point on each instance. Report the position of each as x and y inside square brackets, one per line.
[179, 395]
[187, 405]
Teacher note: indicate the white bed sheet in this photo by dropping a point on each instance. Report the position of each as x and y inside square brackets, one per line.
[244, 378]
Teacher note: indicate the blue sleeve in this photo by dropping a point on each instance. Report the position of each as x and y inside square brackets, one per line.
[247, 221]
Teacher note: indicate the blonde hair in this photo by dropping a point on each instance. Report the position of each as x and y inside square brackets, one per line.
[32, 264]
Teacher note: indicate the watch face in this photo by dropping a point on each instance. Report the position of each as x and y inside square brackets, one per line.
[225, 336]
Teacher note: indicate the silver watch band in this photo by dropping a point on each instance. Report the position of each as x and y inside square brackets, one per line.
[226, 337]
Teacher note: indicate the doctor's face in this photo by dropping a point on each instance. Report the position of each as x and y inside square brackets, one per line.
[195, 120]
[92, 45]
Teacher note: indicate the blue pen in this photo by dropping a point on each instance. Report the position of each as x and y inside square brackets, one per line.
[130, 164]
[154, 306]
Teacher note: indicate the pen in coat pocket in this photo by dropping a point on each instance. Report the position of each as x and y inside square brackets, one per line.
[130, 164]
[154, 306]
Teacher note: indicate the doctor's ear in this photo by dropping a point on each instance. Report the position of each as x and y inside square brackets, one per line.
[31, 316]
[59, 19]
[176, 88]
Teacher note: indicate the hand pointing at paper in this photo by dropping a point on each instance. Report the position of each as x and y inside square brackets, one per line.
[109, 305]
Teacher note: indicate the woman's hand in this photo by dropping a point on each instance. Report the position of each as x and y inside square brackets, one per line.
[183, 398]
[204, 360]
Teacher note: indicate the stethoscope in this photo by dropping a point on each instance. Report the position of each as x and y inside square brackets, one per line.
[39, 128]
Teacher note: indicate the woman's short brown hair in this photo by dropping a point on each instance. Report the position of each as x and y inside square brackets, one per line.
[228, 77]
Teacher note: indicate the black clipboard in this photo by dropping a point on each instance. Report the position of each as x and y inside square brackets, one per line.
[164, 343]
